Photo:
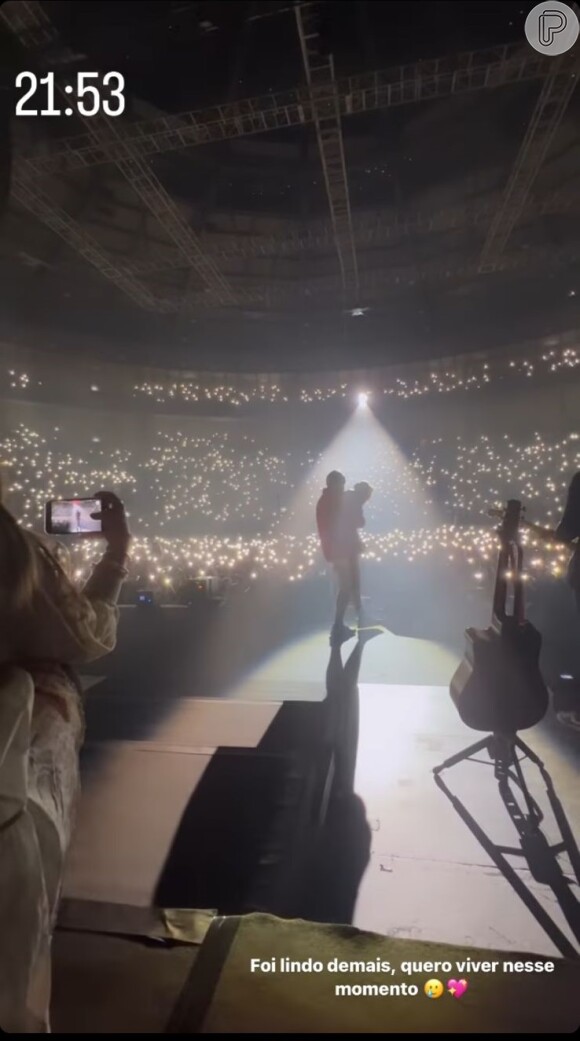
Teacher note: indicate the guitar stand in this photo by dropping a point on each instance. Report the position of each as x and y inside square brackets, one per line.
[541, 857]
[503, 752]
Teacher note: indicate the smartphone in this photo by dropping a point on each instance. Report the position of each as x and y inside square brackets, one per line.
[72, 517]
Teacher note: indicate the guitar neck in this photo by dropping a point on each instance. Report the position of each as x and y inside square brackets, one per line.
[510, 567]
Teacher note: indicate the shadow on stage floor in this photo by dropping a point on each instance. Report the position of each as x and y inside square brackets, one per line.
[219, 773]
[279, 828]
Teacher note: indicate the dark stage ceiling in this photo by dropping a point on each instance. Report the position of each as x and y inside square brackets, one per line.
[290, 186]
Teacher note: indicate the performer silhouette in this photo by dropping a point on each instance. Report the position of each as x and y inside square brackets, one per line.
[339, 517]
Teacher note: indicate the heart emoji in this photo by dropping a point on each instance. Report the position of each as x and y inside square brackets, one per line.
[456, 987]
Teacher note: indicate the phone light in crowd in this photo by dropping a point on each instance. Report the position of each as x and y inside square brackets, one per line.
[363, 399]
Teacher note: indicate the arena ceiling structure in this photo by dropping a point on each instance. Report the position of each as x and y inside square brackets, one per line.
[291, 186]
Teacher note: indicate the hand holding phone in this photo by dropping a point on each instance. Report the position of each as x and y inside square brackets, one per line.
[110, 514]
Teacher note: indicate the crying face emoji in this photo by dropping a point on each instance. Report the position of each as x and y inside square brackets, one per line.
[433, 988]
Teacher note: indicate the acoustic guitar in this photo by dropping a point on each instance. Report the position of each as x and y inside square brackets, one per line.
[499, 687]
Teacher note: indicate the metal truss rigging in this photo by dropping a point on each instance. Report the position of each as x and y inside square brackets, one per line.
[29, 21]
[30, 195]
[371, 231]
[31, 25]
[319, 69]
[375, 282]
[385, 88]
[324, 102]
[547, 116]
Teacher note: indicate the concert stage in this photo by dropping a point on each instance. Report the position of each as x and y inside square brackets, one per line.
[306, 790]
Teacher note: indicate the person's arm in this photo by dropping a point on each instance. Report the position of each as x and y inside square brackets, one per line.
[568, 530]
[320, 518]
[109, 574]
[558, 535]
[548, 534]
[106, 579]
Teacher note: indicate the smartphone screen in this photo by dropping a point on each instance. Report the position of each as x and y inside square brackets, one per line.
[72, 517]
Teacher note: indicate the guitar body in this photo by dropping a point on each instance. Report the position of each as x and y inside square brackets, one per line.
[499, 687]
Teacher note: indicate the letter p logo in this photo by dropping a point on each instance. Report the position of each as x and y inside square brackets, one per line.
[551, 23]
[552, 28]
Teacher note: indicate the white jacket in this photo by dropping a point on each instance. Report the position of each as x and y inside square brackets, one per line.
[39, 773]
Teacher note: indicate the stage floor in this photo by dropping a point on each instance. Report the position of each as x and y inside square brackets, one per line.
[426, 876]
